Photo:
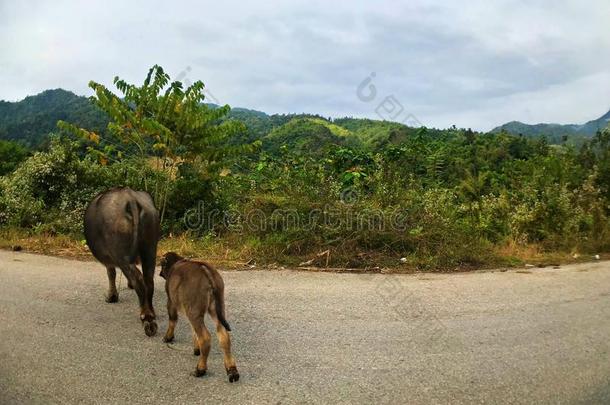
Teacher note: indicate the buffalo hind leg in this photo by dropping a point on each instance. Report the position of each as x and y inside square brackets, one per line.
[146, 315]
[113, 294]
[204, 341]
[225, 344]
[148, 274]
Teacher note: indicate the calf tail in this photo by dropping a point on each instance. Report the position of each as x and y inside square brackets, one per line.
[219, 297]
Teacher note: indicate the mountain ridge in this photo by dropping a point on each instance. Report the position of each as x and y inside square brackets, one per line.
[587, 129]
[30, 120]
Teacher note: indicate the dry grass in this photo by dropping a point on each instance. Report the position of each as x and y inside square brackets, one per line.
[219, 251]
[54, 245]
[534, 254]
[236, 253]
[70, 247]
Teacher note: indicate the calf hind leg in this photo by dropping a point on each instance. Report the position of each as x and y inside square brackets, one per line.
[113, 294]
[225, 344]
[204, 341]
[172, 313]
[196, 350]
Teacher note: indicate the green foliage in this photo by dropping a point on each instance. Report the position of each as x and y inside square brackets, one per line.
[333, 128]
[191, 189]
[50, 190]
[599, 156]
[11, 154]
[375, 135]
[165, 125]
[303, 135]
[461, 193]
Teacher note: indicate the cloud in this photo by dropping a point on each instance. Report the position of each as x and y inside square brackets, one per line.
[475, 65]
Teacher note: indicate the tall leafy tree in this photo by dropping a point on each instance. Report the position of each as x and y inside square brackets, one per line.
[163, 125]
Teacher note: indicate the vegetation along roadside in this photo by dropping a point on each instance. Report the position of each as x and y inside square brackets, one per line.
[245, 188]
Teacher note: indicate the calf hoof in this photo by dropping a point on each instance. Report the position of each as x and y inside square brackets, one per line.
[168, 339]
[150, 328]
[233, 374]
[112, 298]
[199, 373]
[196, 352]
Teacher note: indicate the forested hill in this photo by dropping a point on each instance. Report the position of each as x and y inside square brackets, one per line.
[31, 120]
[556, 131]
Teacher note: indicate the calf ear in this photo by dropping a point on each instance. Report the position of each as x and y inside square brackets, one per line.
[163, 263]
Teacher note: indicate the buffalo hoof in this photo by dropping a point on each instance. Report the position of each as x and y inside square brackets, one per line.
[129, 285]
[112, 298]
[168, 339]
[196, 352]
[233, 374]
[150, 328]
[199, 373]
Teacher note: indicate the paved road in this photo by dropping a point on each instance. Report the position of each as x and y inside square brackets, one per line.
[497, 337]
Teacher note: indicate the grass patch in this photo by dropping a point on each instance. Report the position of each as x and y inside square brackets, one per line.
[255, 252]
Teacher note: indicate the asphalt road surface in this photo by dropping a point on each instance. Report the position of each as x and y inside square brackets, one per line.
[490, 337]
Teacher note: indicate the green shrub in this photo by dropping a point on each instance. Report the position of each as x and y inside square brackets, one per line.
[11, 154]
[50, 190]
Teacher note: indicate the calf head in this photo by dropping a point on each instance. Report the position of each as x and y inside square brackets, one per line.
[167, 261]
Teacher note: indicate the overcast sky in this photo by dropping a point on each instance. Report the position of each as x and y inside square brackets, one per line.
[476, 65]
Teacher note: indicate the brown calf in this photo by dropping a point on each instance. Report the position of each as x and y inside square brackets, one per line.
[196, 288]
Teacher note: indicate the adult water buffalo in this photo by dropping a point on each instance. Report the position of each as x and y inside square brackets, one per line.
[122, 227]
